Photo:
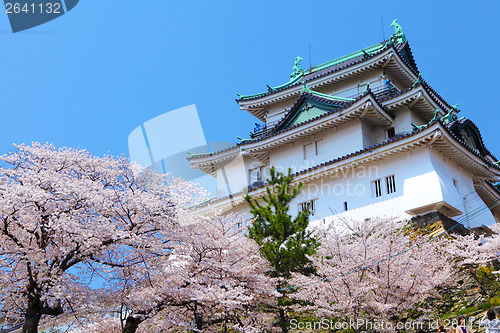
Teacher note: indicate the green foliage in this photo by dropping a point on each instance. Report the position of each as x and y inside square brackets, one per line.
[284, 241]
[491, 303]
[488, 280]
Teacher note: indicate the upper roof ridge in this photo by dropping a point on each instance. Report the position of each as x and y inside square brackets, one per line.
[398, 39]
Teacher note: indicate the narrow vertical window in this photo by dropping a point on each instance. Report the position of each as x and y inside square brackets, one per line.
[391, 132]
[317, 146]
[311, 204]
[308, 151]
[455, 183]
[377, 188]
[390, 184]
[254, 175]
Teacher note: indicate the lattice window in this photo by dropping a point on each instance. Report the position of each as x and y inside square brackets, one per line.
[390, 184]
[310, 203]
[377, 188]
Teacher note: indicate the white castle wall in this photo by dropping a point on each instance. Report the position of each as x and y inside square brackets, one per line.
[422, 177]
[234, 176]
[333, 143]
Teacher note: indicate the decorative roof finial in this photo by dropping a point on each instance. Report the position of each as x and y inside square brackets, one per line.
[399, 35]
[242, 140]
[450, 117]
[418, 80]
[297, 71]
[417, 128]
[305, 88]
[367, 87]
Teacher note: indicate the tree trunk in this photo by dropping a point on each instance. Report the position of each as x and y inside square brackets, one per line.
[31, 320]
[33, 313]
[283, 322]
[131, 324]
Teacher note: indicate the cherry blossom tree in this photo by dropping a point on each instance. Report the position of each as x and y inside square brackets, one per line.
[473, 249]
[66, 215]
[372, 269]
[475, 255]
[212, 278]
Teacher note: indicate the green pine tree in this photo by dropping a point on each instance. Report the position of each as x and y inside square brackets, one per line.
[284, 240]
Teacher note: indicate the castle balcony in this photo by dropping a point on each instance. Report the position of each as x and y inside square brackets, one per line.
[262, 130]
[381, 92]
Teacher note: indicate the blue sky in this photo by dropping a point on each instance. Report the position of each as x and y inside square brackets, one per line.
[88, 78]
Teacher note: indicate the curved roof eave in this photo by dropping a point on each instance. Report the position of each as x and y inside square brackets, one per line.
[256, 106]
[411, 96]
[200, 158]
[318, 75]
[364, 54]
[359, 103]
[466, 121]
[431, 128]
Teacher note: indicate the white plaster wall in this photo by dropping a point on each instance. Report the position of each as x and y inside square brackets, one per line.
[335, 142]
[355, 188]
[463, 196]
[421, 182]
[422, 177]
[372, 134]
[252, 163]
[422, 190]
[403, 119]
[278, 110]
[232, 178]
